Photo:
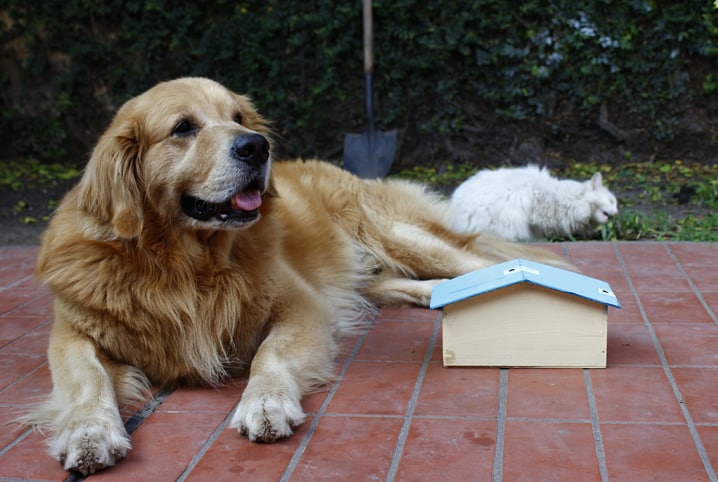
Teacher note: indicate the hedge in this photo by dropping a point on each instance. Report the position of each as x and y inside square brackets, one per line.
[67, 65]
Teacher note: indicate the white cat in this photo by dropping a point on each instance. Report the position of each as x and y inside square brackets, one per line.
[525, 203]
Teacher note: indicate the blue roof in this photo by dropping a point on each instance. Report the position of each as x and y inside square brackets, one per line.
[521, 271]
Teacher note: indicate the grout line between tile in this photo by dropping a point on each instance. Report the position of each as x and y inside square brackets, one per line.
[364, 415]
[133, 423]
[642, 422]
[32, 300]
[564, 251]
[597, 438]
[74, 477]
[299, 451]
[13, 479]
[455, 417]
[139, 417]
[498, 471]
[411, 406]
[15, 442]
[26, 375]
[16, 283]
[205, 446]
[700, 448]
[693, 286]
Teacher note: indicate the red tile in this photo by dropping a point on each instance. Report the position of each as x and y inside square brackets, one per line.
[598, 260]
[163, 446]
[634, 394]
[407, 314]
[693, 344]
[698, 389]
[440, 449]
[709, 437]
[17, 275]
[33, 388]
[396, 341]
[349, 448]
[651, 452]
[678, 307]
[711, 299]
[628, 313]
[221, 399]
[11, 256]
[651, 268]
[15, 298]
[346, 347]
[375, 388]
[34, 342]
[438, 353]
[547, 393]
[13, 327]
[39, 307]
[233, 457]
[313, 401]
[452, 436]
[591, 253]
[459, 392]
[15, 368]
[630, 344]
[555, 248]
[696, 259]
[10, 430]
[549, 451]
[29, 460]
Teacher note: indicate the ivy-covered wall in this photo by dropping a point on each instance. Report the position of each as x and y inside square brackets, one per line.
[67, 65]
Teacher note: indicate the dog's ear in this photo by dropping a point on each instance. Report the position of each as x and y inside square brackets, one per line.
[110, 191]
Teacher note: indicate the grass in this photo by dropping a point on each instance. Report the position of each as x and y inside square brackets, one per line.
[33, 176]
[648, 209]
[17, 175]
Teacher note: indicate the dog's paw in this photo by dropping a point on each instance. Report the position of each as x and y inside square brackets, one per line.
[89, 447]
[267, 417]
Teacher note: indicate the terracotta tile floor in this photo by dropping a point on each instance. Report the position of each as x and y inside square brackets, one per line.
[395, 413]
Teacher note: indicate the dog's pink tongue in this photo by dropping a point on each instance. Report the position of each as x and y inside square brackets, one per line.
[247, 200]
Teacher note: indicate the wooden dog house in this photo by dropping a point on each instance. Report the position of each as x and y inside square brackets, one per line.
[524, 314]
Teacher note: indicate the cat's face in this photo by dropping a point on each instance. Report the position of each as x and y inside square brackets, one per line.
[604, 203]
[606, 208]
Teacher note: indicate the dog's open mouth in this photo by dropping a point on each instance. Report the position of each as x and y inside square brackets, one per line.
[241, 208]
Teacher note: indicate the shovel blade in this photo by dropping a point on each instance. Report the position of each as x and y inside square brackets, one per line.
[369, 154]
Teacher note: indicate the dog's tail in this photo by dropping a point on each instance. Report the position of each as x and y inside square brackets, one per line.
[499, 250]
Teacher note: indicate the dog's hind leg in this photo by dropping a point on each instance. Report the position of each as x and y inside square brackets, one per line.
[435, 252]
[391, 291]
[427, 255]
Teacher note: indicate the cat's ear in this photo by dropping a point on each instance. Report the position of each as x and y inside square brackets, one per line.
[596, 181]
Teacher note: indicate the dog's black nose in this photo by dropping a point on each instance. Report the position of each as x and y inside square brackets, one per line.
[252, 149]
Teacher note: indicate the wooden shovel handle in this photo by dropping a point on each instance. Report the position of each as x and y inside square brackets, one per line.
[368, 38]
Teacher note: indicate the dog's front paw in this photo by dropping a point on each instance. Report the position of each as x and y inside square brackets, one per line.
[267, 415]
[89, 447]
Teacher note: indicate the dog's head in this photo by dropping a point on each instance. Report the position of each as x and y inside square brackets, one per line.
[188, 152]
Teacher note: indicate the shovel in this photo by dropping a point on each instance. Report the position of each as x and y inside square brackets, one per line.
[369, 154]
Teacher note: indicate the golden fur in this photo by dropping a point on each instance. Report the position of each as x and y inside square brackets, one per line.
[165, 270]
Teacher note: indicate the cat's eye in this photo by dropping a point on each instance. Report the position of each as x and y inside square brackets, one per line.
[184, 128]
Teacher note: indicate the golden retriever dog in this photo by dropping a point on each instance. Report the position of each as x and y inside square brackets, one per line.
[186, 255]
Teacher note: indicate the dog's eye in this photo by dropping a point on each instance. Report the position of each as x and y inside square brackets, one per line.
[184, 128]
[238, 118]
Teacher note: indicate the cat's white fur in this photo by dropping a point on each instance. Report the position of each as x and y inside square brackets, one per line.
[526, 203]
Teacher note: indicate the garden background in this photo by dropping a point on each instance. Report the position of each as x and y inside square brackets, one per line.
[626, 87]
